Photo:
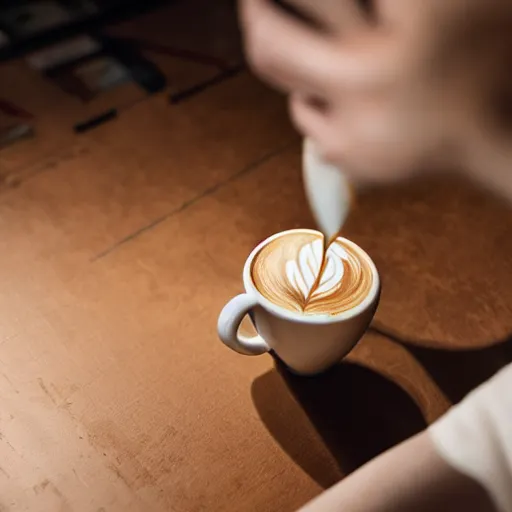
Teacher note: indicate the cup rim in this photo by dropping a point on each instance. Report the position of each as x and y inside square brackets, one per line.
[282, 312]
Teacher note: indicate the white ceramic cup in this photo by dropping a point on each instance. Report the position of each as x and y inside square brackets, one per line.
[307, 344]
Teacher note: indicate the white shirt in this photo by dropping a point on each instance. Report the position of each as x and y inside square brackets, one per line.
[475, 437]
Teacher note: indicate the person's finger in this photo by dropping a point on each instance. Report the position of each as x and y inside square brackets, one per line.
[337, 145]
[315, 122]
[284, 50]
[342, 17]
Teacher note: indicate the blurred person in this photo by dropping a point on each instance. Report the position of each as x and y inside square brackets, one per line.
[385, 89]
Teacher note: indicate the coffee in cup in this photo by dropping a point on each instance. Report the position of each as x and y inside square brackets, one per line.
[310, 323]
[286, 272]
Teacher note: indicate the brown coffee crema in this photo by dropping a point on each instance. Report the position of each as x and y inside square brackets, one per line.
[285, 270]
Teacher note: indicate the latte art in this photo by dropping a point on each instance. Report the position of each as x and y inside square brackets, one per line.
[302, 273]
[286, 272]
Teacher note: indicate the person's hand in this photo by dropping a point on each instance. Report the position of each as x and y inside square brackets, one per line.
[384, 90]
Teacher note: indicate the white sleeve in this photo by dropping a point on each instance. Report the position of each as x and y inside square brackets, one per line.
[475, 437]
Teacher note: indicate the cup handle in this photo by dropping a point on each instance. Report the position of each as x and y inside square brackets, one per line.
[229, 322]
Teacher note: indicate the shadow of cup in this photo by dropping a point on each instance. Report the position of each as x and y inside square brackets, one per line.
[333, 423]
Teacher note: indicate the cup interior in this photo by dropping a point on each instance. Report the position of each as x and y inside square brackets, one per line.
[282, 312]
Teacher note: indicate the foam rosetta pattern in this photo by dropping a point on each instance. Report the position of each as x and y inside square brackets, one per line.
[286, 272]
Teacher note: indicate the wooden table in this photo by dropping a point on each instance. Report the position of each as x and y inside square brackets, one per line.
[119, 251]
